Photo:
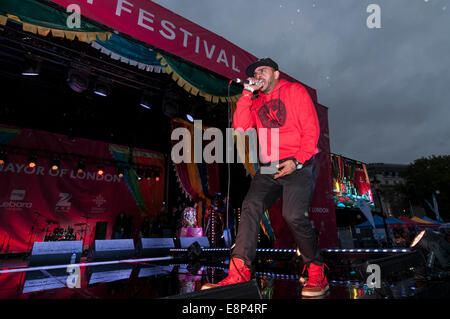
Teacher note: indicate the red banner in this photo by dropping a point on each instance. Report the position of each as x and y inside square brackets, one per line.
[161, 28]
[36, 200]
[322, 205]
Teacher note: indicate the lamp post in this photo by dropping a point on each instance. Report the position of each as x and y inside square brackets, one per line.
[376, 184]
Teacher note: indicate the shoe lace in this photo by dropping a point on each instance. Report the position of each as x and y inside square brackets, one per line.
[316, 273]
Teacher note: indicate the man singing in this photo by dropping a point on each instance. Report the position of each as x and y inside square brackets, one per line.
[287, 108]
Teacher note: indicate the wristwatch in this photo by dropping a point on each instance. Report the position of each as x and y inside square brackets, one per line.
[297, 164]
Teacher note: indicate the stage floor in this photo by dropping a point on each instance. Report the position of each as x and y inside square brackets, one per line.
[151, 278]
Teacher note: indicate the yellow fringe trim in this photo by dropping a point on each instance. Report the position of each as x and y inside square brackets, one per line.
[192, 89]
[58, 33]
[3, 20]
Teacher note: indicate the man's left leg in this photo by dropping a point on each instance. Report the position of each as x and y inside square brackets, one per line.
[298, 188]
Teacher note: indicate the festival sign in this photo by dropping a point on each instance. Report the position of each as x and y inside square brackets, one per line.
[162, 28]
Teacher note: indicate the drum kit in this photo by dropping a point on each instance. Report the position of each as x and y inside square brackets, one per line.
[59, 233]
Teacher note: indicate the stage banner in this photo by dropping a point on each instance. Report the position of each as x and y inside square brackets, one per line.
[34, 201]
[163, 29]
[322, 209]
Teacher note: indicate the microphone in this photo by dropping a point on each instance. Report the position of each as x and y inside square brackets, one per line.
[237, 80]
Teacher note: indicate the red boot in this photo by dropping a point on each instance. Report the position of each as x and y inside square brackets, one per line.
[317, 284]
[238, 272]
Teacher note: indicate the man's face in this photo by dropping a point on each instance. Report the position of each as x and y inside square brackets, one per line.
[268, 76]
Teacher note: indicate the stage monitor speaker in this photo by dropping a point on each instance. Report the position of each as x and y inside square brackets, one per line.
[246, 290]
[100, 230]
[55, 253]
[185, 242]
[108, 273]
[154, 247]
[111, 249]
[40, 280]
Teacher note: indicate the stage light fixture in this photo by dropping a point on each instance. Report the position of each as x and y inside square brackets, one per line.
[190, 118]
[157, 177]
[100, 170]
[55, 164]
[3, 156]
[435, 245]
[170, 104]
[102, 88]
[78, 79]
[120, 172]
[81, 167]
[146, 100]
[139, 173]
[148, 175]
[31, 66]
[32, 161]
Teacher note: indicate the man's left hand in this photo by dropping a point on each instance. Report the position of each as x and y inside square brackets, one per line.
[285, 168]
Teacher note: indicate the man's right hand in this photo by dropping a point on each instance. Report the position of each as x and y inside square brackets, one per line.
[252, 87]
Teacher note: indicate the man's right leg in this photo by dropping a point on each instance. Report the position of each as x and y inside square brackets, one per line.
[263, 192]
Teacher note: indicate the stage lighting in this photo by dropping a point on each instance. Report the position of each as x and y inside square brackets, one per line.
[81, 167]
[148, 175]
[55, 164]
[190, 118]
[435, 245]
[31, 67]
[157, 176]
[100, 170]
[139, 173]
[78, 80]
[32, 161]
[120, 172]
[146, 100]
[102, 88]
[2, 157]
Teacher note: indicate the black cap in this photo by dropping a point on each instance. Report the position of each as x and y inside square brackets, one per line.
[261, 62]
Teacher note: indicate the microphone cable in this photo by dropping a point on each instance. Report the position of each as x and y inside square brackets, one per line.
[229, 183]
[228, 168]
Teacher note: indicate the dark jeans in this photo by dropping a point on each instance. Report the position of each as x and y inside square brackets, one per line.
[297, 190]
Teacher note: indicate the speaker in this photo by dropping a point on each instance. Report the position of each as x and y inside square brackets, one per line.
[245, 290]
[154, 247]
[55, 253]
[108, 273]
[100, 230]
[40, 280]
[111, 249]
[185, 242]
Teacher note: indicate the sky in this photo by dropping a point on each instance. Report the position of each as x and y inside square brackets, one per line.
[387, 89]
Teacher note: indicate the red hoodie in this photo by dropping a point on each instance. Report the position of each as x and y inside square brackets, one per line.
[287, 107]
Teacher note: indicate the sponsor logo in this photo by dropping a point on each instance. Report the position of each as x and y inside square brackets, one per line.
[16, 202]
[99, 201]
[63, 205]
[17, 194]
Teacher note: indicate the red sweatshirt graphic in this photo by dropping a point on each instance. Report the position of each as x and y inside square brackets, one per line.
[288, 108]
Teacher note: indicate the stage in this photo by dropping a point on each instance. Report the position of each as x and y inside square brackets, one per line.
[277, 276]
